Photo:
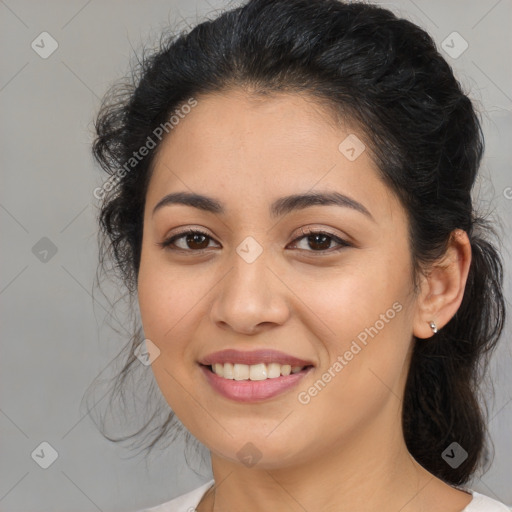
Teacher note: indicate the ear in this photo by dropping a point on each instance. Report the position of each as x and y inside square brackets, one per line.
[442, 289]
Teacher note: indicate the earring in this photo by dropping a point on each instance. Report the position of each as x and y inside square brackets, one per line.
[433, 326]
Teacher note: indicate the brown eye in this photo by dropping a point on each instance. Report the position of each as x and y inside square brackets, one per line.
[320, 241]
[190, 241]
[197, 241]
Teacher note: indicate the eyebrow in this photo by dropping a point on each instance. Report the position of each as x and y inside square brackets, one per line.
[278, 208]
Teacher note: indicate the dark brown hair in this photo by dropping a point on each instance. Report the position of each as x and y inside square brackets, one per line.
[384, 74]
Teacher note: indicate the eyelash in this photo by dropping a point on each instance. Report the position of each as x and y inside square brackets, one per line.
[167, 243]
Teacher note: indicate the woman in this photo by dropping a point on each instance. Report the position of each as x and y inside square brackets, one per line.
[290, 202]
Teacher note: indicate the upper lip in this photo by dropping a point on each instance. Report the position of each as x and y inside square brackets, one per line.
[253, 357]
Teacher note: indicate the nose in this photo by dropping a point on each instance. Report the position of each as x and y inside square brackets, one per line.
[250, 298]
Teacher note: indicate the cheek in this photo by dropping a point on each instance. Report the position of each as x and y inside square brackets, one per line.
[361, 320]
[172, 301]
[365, 352]
[168, 295]
[167, 308]
[349, 298]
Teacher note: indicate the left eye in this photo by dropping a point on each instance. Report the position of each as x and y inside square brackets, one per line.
[320, 241]
[195, 241]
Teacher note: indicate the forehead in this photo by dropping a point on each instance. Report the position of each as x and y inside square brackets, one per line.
[248, 149]
[235, 120]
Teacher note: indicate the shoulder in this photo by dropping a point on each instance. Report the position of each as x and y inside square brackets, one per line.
[483, 503]
[184, 503]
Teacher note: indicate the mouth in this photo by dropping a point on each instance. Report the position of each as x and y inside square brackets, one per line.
[254, 372]
[253, 376]
[242, 388]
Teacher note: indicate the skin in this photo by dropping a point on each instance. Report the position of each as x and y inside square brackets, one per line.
[344, 450]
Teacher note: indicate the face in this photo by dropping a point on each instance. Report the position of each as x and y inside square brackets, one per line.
[324, 289]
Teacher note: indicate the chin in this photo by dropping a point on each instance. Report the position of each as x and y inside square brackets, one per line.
[261, 452]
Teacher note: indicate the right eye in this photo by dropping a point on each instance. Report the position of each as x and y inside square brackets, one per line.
[191, 240]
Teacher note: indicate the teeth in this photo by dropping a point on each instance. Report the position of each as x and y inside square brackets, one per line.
[227, 372]
[257, 371]
[241, 371]
[219, 369]
[254, 371]
[273, 370]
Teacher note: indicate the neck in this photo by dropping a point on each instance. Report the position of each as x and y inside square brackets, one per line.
[364, 472]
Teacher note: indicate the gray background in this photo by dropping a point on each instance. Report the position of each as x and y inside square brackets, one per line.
[54, 339]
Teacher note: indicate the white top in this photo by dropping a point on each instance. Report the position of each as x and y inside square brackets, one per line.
[189, 501]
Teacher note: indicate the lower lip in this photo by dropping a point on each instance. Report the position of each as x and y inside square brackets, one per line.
[253, 390]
